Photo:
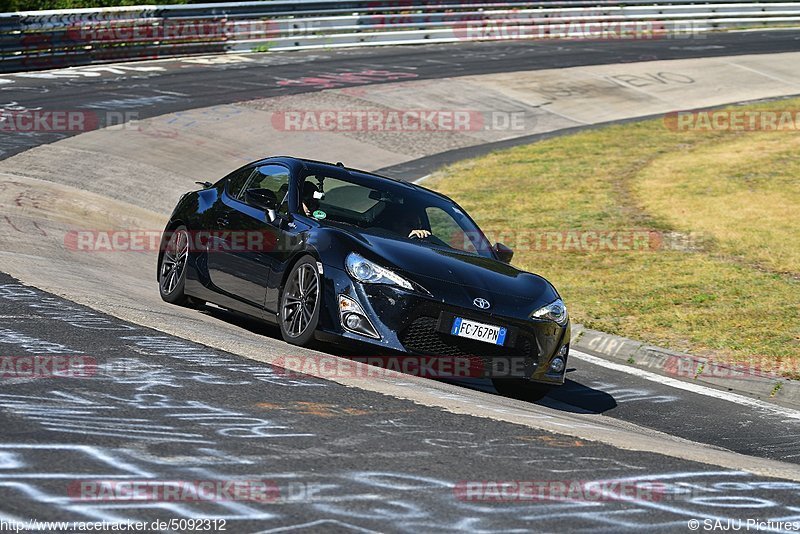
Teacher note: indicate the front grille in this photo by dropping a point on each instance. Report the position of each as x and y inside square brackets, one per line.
[421, 337]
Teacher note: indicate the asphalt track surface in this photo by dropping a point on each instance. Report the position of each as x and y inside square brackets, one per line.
[162, 409]
[343, 459]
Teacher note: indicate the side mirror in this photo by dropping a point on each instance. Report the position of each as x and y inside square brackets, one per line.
[502, 252]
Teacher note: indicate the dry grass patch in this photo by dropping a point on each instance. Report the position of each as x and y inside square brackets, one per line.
[736, 194]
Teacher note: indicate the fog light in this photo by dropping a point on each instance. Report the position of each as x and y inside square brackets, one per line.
[354, 319]
[557, 365]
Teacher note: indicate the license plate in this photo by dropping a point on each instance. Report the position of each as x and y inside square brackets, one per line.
[487, 333]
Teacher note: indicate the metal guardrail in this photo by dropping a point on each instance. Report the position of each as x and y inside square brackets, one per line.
[50, 39]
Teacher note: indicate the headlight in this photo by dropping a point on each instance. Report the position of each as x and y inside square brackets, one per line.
[555, 311]
[368, 272]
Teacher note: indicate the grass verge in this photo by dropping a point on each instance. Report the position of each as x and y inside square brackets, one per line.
[701, 228]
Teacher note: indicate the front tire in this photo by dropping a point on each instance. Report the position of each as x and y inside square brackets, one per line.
[172, 272]
[300, 303]
[520, 388]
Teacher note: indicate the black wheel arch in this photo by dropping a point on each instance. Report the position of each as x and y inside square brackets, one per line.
[296, 257]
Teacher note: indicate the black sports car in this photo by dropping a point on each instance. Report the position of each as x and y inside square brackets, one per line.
[330, 253]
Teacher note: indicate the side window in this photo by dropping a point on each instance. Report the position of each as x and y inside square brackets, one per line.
[446, 229]
[272, 179]
[236, 181]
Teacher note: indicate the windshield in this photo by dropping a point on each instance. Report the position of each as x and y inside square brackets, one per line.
[391, 210]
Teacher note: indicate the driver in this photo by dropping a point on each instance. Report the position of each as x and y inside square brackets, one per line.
[308, 202]
[409, 222]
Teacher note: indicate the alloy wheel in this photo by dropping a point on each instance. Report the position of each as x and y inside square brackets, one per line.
[300, 300]
[174, 262]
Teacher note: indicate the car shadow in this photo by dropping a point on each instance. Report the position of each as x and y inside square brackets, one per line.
[575, 397]
[572, 397]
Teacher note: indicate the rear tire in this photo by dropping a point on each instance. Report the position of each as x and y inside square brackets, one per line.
[172, 271]
[519, 388]
[301, 299]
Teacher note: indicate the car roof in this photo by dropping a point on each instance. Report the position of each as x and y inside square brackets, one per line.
[292, 160]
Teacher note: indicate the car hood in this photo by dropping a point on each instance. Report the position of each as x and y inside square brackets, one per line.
[459, 277]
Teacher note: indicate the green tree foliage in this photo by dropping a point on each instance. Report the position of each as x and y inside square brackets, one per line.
[8, 6]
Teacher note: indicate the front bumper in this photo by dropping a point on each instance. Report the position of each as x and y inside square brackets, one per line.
[418, 324]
